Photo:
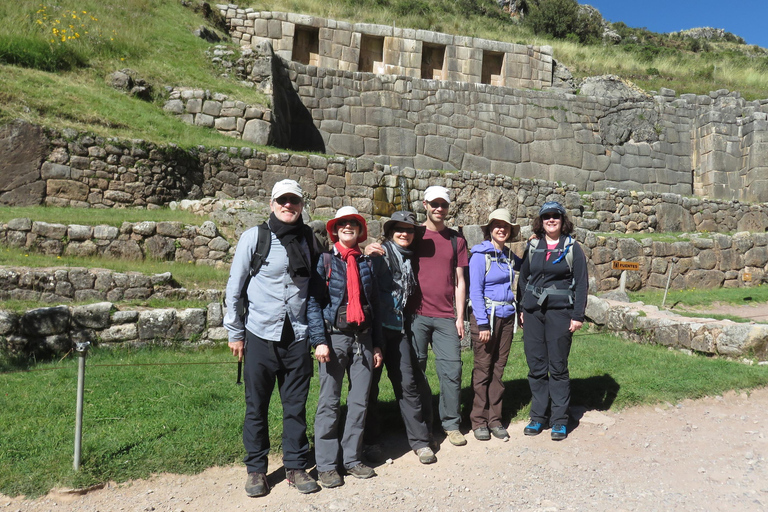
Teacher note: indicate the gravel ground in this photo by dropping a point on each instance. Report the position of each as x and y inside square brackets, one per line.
[707, 454]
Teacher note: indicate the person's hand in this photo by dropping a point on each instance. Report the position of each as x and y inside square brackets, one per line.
[460, 327]
[484, 336]
[520, 319]
[575, 325]
[238, 349]
[378, 357]
[322, 353]
[374, 249]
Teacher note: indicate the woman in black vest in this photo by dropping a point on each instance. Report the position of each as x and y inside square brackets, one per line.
[552, 297]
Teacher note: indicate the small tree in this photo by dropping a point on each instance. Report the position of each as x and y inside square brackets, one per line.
[557, 18]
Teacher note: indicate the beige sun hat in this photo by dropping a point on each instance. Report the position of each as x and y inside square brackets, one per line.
[503, 215]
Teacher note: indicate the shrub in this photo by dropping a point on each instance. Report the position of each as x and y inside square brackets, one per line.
[652, 72]
[554, 17]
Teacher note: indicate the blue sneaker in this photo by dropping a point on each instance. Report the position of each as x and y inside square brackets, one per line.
[534, 428]
[559, 432]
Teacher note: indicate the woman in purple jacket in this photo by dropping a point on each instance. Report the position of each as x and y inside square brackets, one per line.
[493, 321]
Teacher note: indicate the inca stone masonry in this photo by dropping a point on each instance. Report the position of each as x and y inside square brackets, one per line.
[414, 98]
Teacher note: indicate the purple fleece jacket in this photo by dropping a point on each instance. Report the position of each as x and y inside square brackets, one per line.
[495, 285]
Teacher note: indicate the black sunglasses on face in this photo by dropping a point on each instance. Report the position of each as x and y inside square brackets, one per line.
[409, 231]
[288, 198]
[349, 222]
[548, 216]
[439, 204]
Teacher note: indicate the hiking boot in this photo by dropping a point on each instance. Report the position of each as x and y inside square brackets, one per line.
[301, 480]
[559, 432]
[256, 485]
[500, 432]
[426, 455]
[456, 437]
[373, 453]
[534, 428]
[361, 471]
[330, 478]
[482, 434]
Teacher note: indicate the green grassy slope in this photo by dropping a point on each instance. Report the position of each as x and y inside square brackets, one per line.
[55, 57]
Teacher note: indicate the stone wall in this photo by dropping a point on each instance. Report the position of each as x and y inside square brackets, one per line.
[698, 261]
[132, 241]
[713, 145]
[646, 324]
[229, 117]
[44, 332]
[80, 284]
[85, 171]
[384, 49]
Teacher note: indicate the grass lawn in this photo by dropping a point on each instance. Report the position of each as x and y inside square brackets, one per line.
[181, 411]
[96, 216]
[693, 297]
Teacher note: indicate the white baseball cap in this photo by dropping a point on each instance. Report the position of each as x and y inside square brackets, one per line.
[436, 192]
[286, 187]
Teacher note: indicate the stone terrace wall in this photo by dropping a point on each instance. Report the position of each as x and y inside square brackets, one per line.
[339, 45]
[67, 284]
[86, 171]
[228, 117]
[711, 145]
[131, 241]
[646, 324]
[699, 262]
[44, 332]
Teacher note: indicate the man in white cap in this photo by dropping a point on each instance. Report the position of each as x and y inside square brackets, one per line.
[266, 318]
[438, 305]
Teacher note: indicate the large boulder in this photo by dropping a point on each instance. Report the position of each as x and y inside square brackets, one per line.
[23, 147]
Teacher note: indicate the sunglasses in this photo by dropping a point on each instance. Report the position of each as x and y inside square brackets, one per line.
[349, 222]
[408, 231]
[288, 198]
[439, 204]
[555, 216]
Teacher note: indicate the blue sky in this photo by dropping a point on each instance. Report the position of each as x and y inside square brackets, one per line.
[745, 18]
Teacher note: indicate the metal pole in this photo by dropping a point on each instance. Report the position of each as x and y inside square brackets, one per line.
[669, 278]
[82, 350]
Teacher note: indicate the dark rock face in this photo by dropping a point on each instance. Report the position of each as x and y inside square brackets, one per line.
[22, 149]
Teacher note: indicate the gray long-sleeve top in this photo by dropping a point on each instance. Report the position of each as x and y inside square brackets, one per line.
[272, 293]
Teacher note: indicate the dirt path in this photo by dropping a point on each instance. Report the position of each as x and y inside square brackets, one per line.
[707, 454]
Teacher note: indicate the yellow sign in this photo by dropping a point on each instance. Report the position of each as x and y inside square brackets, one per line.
[625, 265]
[746, 276]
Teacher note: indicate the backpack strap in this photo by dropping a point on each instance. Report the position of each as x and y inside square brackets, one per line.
[262, 249]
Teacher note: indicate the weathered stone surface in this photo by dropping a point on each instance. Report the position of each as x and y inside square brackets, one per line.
[160, 247]
[119, 333]
[673, 217]
[192, 322]
[125, 249]
[23, 147]
[45, 321]
[92, 316]
[258, 132]
[67, 189]
[157, 324]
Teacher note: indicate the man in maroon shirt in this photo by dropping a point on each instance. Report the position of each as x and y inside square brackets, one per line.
[441, 255]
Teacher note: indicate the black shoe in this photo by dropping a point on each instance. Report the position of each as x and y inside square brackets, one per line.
[299, 479]
[482, 434]
[534, 428]
[256, 485]
[559, 432]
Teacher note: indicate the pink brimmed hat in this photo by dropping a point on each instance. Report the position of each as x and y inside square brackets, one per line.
[347, 212]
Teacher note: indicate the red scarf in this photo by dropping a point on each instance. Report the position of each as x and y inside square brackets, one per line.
[354, 306]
